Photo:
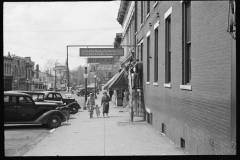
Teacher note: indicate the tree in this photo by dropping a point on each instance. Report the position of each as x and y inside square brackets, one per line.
[50, 65]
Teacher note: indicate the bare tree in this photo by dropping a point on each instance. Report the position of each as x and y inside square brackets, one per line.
[50, 65]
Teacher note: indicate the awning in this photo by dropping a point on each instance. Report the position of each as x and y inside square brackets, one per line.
[110, 81]
[119, 81]
[128, 57]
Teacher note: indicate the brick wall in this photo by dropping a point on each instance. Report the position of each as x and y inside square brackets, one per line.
[200, 116]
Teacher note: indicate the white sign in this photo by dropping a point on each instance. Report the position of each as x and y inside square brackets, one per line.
[85, 75]
[60, 68]
[104, 67]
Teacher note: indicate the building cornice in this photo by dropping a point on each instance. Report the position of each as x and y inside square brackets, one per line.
[122, 10]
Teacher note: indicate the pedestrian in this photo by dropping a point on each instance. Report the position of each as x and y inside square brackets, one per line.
[125, 99]
[105, 103]
[97, 108]
[110, 93]
[90, 104]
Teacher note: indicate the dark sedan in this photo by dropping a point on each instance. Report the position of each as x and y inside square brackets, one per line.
[19, 108]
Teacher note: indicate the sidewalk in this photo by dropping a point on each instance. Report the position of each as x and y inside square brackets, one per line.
[112, 136]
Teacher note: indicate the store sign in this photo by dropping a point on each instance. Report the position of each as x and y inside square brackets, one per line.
[101, 52]
[60, 68]
[100, 60]
[104, 67]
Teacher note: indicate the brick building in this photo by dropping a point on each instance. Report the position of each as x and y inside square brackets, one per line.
[189, 70]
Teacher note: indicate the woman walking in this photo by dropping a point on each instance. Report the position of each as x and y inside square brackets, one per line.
[105, 103]
[90, 104]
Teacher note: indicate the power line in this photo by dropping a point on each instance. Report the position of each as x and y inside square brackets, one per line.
[63, 30]
[41, 49]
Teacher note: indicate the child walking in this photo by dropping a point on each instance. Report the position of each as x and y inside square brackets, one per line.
[90, 104]
[97, 108]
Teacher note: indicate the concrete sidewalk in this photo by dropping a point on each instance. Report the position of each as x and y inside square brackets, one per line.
[112, 136]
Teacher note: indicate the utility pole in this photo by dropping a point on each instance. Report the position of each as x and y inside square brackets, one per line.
[55, 80]
[67, 70]
[85, 76]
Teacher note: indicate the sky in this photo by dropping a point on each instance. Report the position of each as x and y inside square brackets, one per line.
[43, 30]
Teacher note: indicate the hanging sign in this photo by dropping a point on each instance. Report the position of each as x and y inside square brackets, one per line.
[100, 60]
[104, 67]
[60, 68]
[101, 52]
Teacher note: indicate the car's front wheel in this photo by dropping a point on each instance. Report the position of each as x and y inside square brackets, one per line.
[54, 121]
[74, 109]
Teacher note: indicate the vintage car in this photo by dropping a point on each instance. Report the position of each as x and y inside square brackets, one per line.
[19, 108]
[81, 92]
[54, 97]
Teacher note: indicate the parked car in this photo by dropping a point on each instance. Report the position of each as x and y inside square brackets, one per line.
[55, 97]
[81, 92]
[19, 108]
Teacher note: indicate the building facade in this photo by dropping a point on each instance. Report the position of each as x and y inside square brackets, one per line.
[7, 70]
[189, 70]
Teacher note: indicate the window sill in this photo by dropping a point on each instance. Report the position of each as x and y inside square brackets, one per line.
[186, 87]
[147, 16]
[148, 83]
[155, 83]
[141, 25]
[136, 33]
[167, 85]
[155, 4]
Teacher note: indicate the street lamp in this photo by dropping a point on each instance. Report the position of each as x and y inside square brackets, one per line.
[95, 86]
[27, 83]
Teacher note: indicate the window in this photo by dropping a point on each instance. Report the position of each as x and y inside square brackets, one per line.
[148, 59]
[148, 7]
[142, 12]
[168, 50]
[28, 100]
[186, 43]
[14, 100]
[50, 96]
[156, 56]
[22, 100]
[6, 98]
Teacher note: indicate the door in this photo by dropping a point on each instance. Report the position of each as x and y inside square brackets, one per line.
[10, 108]
[26, 109]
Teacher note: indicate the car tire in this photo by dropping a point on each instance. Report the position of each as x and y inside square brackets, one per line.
[54, 121]
[74, 109]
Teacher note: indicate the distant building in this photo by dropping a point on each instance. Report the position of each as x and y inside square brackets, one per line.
[7, 70]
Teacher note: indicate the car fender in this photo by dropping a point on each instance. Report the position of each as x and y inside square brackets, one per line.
[44, 117]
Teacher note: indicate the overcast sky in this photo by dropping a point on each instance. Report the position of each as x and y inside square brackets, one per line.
[42, 30]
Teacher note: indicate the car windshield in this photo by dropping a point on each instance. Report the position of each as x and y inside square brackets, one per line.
[37, 97]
